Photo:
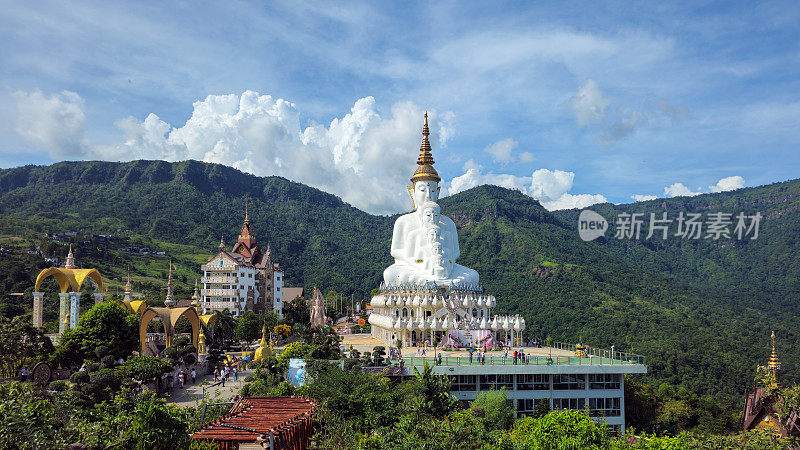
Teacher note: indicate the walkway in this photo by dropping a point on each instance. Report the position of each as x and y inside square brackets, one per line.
[191, 394]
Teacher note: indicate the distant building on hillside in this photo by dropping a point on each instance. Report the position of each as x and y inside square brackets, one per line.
[762, 407]
[242, 279]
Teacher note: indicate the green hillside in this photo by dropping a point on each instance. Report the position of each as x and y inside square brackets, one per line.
[699, 311]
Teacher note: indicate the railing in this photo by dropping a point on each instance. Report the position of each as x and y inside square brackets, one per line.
[509, 361]
[220, 292]
[220, 279]
[221, 305]
[615, 357]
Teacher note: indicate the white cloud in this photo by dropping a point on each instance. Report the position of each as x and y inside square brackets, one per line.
[550, 188]
[471, 164]
[728, 184]
[643, 198]
[526, 157]
[625, 123]
[679, 190]
[363, 157]
[53, 123]
[588, 104]
[501, 150]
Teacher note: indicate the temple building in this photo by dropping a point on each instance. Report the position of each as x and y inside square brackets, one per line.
[242, 279]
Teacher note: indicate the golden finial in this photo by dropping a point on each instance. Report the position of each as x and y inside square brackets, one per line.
[774, 364]
[246, 213]
[425, 170]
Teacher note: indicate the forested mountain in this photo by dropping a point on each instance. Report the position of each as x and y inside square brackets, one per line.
[700, 310]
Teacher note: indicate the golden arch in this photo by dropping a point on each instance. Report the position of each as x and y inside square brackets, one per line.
[70, 278]
[169, 317]
[133, 307]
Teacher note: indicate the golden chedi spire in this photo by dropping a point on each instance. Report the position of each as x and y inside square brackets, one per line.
[774, 364]
[425, 170]
[70, 263]
[196, 297]
[170, 300]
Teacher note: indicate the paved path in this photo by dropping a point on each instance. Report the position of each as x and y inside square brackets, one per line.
[191, 394]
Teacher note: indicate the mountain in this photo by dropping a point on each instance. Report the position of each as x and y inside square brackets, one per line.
[699, 310]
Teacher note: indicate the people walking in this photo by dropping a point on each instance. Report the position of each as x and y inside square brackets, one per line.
[194, 376]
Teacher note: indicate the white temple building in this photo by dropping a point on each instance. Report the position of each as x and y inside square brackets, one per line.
[425, 294]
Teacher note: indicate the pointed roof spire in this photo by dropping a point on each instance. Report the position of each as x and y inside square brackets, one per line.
[222, 243]
[425, 170]
[774, 364]
[128, 288]
[70, 262]
[170, 300]
[246, 212]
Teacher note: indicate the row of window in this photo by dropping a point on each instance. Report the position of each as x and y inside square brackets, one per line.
[534, 382]
[598, 407]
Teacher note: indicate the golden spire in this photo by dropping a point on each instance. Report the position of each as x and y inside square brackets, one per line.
[425, 170]
[246, 213]
[170, 300]
[774, 364]
[70, 262]
[222, 243]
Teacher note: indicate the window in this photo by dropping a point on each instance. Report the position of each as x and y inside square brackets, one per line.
[278, 289]
[405, 312]
[527, 405]
[463, 382]
[533, 382]
[249, 275]
[604, 407]
[497, 381]
[604, 381]
[568, 403]
[569, 382]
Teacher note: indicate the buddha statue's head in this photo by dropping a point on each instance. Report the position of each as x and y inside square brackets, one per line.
[425, 191]
[430, 213]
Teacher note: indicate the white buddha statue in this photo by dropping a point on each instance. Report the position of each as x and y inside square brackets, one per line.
[412, 247]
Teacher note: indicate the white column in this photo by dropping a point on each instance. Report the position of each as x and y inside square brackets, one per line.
[38, 303]
[98, 297]
[74, 308]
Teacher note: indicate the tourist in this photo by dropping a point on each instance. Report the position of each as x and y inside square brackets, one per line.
[505, 355]
[234, 373]
[180, 379]
[194, 376]
[470, 354]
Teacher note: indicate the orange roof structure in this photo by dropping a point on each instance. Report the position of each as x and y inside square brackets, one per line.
[288, 420]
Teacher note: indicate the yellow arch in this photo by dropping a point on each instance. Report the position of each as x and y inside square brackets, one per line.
[126, 305]
[169, 317]
[63, 281]
[70, 278]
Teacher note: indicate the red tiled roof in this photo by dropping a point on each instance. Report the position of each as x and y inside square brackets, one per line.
[290, 419]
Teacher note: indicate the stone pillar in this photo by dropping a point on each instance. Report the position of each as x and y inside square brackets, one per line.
[98, 297]
[38, 303]
[74, 309]
[63, 315]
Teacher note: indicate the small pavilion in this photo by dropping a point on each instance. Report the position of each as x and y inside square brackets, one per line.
[69, 279]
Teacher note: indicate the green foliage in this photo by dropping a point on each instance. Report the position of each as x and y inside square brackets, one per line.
[560, 430]
[495, 406]
[22, 346]
[224, 327]
[248, 327]
[434, 392]
[105, 324]
[296, 311]
[27, 419]
[143, 368]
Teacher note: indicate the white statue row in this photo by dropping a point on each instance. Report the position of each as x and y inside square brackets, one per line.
[451, 322]
[433, 301]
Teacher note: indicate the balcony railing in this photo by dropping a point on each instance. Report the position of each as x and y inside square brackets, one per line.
[220, 292]
[220, 279]
[222, 305]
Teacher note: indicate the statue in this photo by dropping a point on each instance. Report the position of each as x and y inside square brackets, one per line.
[425, 243]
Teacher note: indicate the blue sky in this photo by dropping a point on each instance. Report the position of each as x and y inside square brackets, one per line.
[571, 103]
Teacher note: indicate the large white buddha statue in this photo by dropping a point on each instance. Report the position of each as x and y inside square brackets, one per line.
[424, 234]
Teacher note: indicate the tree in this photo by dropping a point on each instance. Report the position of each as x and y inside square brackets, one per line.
[561, 429]
[143, 368]
[434, 391]
[297, 311]
[496, 408]
[224, 327]
[248, 327]
[105, 324]
[378, 352]
[21, 345]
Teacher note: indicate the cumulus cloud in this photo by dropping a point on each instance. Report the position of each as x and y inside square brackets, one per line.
[471, 164]
[625, 123]
[728, 184]
[526, 157]
[549, 187]
[589, 105]
[363, 157]
[54, 123]
[679, 190]
[501, 150]
[643, 198]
